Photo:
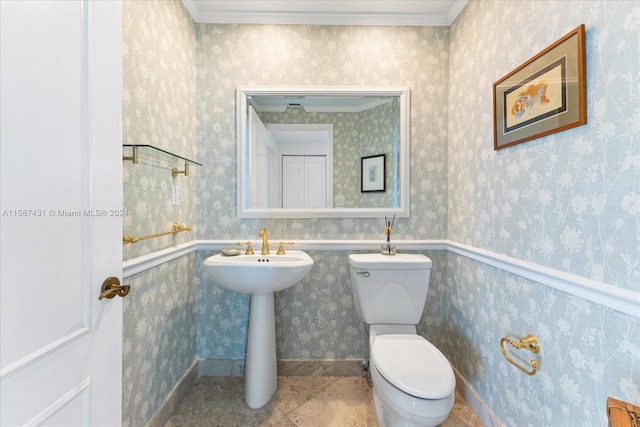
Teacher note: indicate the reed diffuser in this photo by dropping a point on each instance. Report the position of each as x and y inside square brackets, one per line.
[388, 248]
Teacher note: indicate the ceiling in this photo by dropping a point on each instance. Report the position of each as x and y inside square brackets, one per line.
[326, 12]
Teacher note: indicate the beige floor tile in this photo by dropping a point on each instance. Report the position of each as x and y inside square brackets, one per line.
[347, 402]
[293, 392]
[299, 402]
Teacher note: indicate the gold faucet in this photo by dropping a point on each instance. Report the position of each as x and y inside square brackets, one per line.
[281, 247]
[265, 243]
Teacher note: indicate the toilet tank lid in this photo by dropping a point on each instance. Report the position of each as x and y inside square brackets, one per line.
[376, 261]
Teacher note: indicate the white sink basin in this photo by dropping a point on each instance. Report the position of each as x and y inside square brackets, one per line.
[260, 276]
[251, 274]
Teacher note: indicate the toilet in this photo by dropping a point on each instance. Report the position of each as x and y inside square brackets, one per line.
[413, 382]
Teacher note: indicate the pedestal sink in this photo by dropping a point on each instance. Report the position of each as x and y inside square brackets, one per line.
[260, 276]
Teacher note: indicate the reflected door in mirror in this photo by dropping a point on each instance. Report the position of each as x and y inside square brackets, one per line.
[304, 182]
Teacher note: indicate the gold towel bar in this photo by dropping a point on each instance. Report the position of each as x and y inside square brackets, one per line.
[175, 229]
[530, 343]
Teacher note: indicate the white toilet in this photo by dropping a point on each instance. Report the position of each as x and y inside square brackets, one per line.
[413, 383]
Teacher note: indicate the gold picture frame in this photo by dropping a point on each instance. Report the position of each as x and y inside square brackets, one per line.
[545, 95]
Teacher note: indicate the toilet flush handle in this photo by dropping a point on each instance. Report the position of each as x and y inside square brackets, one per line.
[363, 273]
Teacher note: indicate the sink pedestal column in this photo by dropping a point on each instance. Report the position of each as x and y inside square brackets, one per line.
[261, 370]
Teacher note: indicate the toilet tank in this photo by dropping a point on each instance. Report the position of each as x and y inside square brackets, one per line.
[389, 288]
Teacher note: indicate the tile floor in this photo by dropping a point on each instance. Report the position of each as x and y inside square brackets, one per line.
[309, 401]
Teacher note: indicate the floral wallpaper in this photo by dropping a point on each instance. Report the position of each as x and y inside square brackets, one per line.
[159, 95]
[287, 55]
[588, 352]
[159, 109]
[159, 336]
[315, 319]
[569, 201]
[355, 135]
[380, 134]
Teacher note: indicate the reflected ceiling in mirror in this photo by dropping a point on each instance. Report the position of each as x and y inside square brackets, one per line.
[300, 152]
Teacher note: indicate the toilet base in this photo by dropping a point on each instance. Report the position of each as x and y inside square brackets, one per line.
[390, 414]
[389, 419]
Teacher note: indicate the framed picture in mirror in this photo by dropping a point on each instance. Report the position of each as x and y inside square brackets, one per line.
[372, 174]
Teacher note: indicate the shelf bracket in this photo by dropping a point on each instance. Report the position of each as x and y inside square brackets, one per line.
[135, 159]
[176, 172]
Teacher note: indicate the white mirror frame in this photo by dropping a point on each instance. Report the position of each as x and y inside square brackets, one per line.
[244, 211]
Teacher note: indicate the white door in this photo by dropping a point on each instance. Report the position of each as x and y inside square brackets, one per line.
[261, 163]
[60, 201]
[304, 182]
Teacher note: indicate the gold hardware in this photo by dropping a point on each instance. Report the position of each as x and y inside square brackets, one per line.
[530, 343]
[135, 159]
[111, 287]
[175, 229]
[249, 250]
[281, 247]
[176, 172]
[265, 242]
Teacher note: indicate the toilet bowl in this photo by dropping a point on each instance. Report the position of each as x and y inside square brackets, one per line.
[413, 382]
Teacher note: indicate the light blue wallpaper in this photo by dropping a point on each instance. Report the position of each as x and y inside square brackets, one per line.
[588, 352]
[159, 95]
[159, 336]
[315, 319]
[159, 325]
[567, 201]
[286, 55]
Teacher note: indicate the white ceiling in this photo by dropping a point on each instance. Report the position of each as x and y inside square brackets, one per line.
[326, 12]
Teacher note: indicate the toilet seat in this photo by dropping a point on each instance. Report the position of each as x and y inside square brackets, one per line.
[413, 365]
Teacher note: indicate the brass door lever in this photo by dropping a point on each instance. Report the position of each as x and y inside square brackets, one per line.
[111, 287]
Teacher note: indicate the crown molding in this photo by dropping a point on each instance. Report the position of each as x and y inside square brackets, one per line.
[323, 18]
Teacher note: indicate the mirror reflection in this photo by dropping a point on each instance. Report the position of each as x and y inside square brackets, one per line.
[322, 152]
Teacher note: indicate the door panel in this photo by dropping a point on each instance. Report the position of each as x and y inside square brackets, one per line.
[315, 182]
[304, 182]
[293, 182]
[61, 175]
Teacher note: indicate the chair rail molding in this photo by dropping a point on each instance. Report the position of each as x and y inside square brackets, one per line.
[605, 294]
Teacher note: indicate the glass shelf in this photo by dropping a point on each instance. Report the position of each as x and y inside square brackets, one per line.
[155, 151]
[149, 151]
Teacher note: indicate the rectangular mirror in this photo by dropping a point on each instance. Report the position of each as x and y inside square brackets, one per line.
[300, 151]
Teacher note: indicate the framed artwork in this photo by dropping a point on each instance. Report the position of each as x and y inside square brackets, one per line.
[545, 95]
[372, 173]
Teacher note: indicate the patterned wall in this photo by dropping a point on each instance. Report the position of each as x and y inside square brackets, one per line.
[319, 321]
[159, 336]
[159, 109]
[286, 55]
[570, 201]
[315, 319]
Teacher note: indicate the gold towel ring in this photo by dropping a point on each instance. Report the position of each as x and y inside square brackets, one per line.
[530, 343]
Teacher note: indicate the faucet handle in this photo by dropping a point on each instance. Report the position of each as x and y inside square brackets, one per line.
[281, 247]
[249, 250]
